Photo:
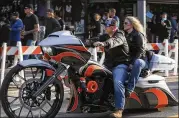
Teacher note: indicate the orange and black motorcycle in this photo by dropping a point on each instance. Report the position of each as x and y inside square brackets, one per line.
[34, 88]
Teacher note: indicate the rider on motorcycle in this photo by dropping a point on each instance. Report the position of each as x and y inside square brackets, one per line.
[117, 51]
[137, 42]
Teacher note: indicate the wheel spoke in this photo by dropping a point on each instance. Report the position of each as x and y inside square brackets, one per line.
[32, 73]
[49, 103]
[40, 113]
[47, 100]
[12, 96]
[43, 109]
[15, 83]
[15, 109]
[21, 77]
[37, 72]
[32, 114]
[20, 111]
[30, 109]
[13, 100]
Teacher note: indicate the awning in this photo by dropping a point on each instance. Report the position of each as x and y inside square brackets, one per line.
[101, 1]
[163, 1]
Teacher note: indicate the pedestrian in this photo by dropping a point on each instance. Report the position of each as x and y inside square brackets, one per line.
[106, 19]
[96, 27]
[4, 30]
[31, 28]
[60, 20]
[164, 28]
[16, 27]
[174, 29]
[153, 29]
[4, 34]
[51, 23]
[117, 59]
[112, 14]
[137, 48]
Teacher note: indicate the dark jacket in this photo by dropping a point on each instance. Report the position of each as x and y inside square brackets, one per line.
[97, 30]
[62, 23]
[51, 25]
[137, 45]
[116, 49]
[4, 33]
[164, 31]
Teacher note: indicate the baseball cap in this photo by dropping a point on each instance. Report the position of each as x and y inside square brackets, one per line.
[112, 23]
[29, 6]
[50, 10]
[15, 14]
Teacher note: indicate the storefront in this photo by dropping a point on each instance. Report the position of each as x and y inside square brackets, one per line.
[74, 13]
[169, 6]
[9, 6]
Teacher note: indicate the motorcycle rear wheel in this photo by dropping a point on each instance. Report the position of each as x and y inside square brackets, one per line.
[26, 105]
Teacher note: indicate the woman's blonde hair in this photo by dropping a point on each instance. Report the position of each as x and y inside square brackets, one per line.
[53, 15]
[136, 24]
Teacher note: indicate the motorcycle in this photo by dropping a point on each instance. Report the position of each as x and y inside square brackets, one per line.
[39, 86]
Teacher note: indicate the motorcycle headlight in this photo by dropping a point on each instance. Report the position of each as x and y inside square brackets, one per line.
[47, 50]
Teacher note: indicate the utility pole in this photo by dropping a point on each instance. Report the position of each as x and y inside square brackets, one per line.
[141, 12]
[48, 4]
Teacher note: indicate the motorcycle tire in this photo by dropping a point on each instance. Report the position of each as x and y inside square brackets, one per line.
[4, 95]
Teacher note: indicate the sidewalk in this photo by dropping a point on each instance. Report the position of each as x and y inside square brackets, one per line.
[170, 78]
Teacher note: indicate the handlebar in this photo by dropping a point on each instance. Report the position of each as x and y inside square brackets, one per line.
[94, 38]
[89, 42]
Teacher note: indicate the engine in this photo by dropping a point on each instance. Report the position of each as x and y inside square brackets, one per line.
[92, 81]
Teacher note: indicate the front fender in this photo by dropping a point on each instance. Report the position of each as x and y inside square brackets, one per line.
[36, 63]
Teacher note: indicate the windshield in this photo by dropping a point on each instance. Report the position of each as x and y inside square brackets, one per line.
[53, 40]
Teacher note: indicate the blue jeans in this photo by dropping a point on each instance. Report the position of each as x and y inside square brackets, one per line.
[29, 43]
[139, 64]
[172, 36]
[120, 75]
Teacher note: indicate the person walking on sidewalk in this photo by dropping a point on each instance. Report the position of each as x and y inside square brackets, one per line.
[15, 30]
[60, 20]
[4, 33]
[4, 30]
[31, 28]
[112, 14]
[51, 23]
[164, 28]
[174, 29]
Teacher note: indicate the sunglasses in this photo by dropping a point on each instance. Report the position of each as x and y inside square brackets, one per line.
[26, 8]
[126, 23]
[108, 26]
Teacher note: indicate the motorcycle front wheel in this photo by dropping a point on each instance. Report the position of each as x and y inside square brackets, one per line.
[17, 89]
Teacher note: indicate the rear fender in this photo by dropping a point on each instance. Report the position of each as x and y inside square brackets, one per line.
[36, 63]
[172, 101]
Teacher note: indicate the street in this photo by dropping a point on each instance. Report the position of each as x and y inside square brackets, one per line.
[166, 112]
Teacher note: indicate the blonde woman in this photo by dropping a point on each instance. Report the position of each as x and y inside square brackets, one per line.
[51, 23]
[136, 41]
